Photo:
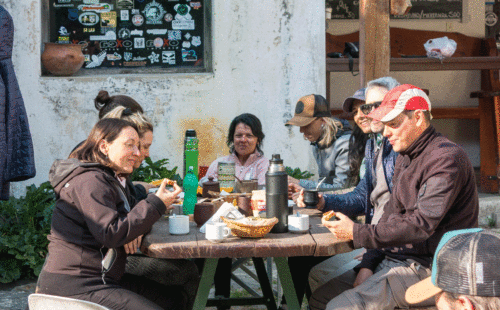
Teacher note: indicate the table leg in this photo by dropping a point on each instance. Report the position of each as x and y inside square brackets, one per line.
[207, 278]
[286, 282]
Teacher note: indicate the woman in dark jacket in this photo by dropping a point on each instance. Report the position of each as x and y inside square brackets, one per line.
[92, 221]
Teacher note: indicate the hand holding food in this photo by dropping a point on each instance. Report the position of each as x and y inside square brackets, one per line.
[157, 183]
[342, 228]
[329, 215]
[167, 196]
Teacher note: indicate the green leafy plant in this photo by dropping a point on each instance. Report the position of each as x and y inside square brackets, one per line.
[492, 220]
[297, 174]
[150, 171]
[24, 226]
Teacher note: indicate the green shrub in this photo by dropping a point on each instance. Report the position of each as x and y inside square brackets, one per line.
[24, 226]
[150, 171]
[297, 174]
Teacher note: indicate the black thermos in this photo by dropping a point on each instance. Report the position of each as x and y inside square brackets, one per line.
[277, 194]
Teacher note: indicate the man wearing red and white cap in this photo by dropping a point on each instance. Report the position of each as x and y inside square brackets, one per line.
[434, 192]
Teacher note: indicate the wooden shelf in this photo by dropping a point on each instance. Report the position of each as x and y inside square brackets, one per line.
[422, 64]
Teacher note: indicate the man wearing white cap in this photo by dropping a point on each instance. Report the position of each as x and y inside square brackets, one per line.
[465, 273]
[434, 192]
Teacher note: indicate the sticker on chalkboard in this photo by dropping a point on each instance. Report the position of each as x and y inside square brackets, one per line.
[90, 1]
[154, 57]
[124, 15]
[107, 44]
[182, 12]
[150, 43]
[168, 57]
[183, 24]
[73, 14]
[125, 4]
[69, 5]
[174, 35]
[134, 64]
[109, 36]
[63, 40]
[196, 41]
[96, 60]
[168, 17]
[189, 55]
[124, 33]
[127, 56]
[157, 31]
[99, 8]
[154, 13]
[88, 19]
[195, 5]
[139, 43]
[137, 20]
[158, 42]
[491, 19]
[136, 32]
[173, 43]
[128, 44]
[186, 44]
[114, 57]
[63, 31]
[187, 36]
[108, 22]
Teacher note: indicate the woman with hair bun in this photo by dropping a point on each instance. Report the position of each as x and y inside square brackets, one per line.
[104, 103]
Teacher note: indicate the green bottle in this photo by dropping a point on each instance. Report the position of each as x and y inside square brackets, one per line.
[191, 151]
[190, 185]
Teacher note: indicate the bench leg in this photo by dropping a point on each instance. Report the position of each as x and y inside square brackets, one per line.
[206, 281]
[287, 283]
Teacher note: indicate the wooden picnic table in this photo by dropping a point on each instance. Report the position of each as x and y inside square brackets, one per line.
[318, 242]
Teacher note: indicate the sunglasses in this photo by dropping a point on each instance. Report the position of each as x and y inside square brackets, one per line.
[367, 108]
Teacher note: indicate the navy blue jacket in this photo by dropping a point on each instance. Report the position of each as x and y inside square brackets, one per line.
[17, 160]
[358, 202]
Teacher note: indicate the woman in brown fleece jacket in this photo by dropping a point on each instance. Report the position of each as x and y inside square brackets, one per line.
[92, 217]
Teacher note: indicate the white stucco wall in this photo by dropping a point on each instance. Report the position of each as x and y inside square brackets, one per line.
[265, 57]
[447, 88]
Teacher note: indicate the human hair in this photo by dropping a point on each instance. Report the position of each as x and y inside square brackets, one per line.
[357, 144]
[104, 103]
[251, 121]
[329, 131]
[479, 302]
[386, 82]
[141, 122]
[107, 129]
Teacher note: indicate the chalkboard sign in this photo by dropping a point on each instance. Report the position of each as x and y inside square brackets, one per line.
[421, 9]
[131, 33]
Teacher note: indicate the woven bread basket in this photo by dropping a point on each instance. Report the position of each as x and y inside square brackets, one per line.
[260, 228]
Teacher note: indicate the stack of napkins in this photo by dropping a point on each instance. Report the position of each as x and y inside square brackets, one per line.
[227, 210]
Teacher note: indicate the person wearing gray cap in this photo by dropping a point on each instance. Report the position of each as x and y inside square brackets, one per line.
[329, 138]
[465, 273]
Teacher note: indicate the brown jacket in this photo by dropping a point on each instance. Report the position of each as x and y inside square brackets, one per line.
[89, 218]
[434, 192]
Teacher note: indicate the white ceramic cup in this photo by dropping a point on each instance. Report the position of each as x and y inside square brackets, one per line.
[298, 222]
[178, 224]
[216, 232]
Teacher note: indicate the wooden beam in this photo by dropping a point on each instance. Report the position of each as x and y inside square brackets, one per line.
[374, 38]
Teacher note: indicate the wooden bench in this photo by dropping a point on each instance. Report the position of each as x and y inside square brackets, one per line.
[471, 54]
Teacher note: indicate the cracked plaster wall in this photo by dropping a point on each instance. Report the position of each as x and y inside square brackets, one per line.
[265, 57]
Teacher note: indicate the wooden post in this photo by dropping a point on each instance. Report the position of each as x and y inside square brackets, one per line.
[374, 39]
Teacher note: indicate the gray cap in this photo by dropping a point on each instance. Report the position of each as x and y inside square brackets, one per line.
[358, 95]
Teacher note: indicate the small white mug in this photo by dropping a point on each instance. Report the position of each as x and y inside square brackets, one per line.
[178, 224]
[298, 222]
[216, 232]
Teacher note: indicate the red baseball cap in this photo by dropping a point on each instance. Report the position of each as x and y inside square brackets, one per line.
[403, 97]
